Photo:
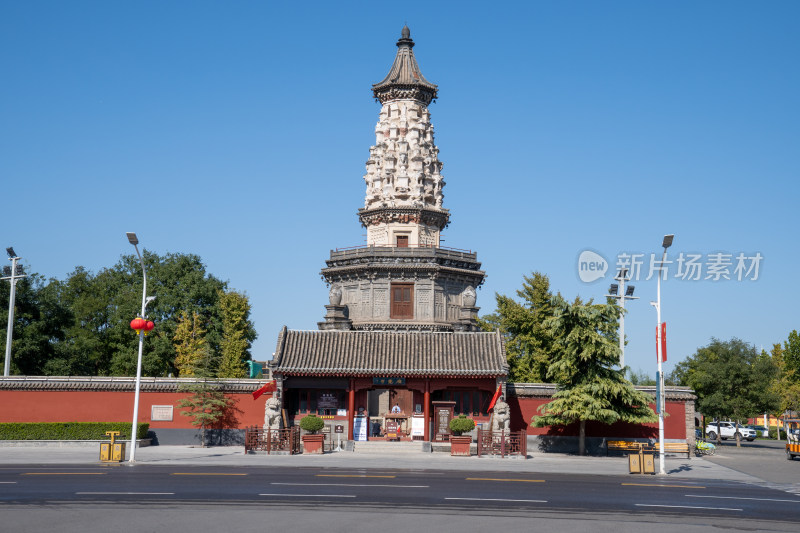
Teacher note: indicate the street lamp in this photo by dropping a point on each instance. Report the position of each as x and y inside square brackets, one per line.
[145, 300]
[12, 274]
[619, 292]
[666, 243]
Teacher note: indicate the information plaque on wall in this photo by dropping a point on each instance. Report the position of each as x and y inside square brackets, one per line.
[161, 413]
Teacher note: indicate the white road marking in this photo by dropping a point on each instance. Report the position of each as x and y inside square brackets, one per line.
[353, 485]
[312, 495]
[131, 493]
[7, 482]
[496, 500]
[687, 507]
[739, 498]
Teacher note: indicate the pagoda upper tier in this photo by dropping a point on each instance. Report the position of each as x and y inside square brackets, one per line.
[404, 182]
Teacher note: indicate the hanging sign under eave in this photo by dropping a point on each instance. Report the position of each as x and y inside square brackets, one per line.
[388, 381]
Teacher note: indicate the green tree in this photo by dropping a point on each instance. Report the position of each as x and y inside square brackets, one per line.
[180, 283]
[37, 328]
[585, 351]
[190, 344]
[640, 378]
[731, 380]
[529, 344]
[237, 334]
[786, 385]
[206, 403]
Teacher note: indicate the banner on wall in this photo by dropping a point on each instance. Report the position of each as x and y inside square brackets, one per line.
[360, 428]
[418, 426]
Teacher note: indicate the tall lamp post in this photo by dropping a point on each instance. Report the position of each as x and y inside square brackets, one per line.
[619, 292]
[12, 274]
[145, 300]
[666, 243]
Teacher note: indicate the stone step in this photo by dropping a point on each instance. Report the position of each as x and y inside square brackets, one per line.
[384, 447]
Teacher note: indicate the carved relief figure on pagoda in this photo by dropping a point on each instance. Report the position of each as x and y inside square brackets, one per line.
[403, 169]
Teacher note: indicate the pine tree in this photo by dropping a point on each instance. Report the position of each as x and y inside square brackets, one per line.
[190, 344]
[235, 345]
[529, 344]
[585, 351]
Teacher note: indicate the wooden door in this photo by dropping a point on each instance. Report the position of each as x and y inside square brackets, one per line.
[402, 300]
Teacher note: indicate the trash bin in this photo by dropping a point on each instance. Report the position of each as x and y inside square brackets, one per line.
[642, 462]
[112, 452]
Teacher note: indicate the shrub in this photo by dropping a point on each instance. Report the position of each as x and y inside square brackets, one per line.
[773, 433]
[462, 424]
[68, 430]
[312, 423]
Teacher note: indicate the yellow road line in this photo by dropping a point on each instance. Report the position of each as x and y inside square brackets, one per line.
[670, 486]
[63, 473]
[352, 475]
[505, 479]
[204, 474]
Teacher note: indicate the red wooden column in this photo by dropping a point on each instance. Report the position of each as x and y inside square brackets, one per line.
[351, 408]
[427, 410]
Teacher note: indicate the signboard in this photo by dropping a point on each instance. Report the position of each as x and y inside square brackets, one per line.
[391, 429]
[360, 428]
[161, 413]
[388, 381]
[339, 428]
[418, 426]
[327, 400]
[444, 415]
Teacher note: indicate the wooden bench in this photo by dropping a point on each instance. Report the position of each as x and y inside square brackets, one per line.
[675, 447]
[624, 446]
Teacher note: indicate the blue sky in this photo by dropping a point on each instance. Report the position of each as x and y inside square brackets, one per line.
[238, 131]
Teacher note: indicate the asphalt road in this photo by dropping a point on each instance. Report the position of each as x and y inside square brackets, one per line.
[764, 459]
[191, 498]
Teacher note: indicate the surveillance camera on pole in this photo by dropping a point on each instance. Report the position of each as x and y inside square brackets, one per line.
[619, 292]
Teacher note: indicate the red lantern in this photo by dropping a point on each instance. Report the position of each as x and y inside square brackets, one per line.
[138, 324]
[149, 326]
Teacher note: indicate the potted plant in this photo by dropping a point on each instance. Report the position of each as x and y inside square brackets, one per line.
[312, 442]
[460, 444]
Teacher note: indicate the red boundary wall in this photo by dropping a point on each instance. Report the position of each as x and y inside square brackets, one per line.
[524, 409]
[117, 406]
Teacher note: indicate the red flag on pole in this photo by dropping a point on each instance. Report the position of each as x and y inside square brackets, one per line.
[663, 339]
[269, 387]
[494, 398]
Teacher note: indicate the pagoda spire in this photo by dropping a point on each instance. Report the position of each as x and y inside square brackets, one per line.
[403, 201]
[405, 80]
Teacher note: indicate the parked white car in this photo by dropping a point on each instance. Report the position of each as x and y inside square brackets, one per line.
[727, 430]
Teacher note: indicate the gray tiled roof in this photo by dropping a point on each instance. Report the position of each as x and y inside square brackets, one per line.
[389, 353]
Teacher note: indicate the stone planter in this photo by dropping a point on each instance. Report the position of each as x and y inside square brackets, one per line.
[459, 445]
[313, 443]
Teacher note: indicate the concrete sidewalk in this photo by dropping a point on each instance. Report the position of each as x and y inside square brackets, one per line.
[234, 456]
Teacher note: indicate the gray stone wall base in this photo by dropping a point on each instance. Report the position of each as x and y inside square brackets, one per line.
[141, 443]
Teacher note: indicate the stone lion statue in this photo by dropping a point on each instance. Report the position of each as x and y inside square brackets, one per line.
[501, 418]
[272, 414]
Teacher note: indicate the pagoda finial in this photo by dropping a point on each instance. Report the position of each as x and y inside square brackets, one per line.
[405, 80]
